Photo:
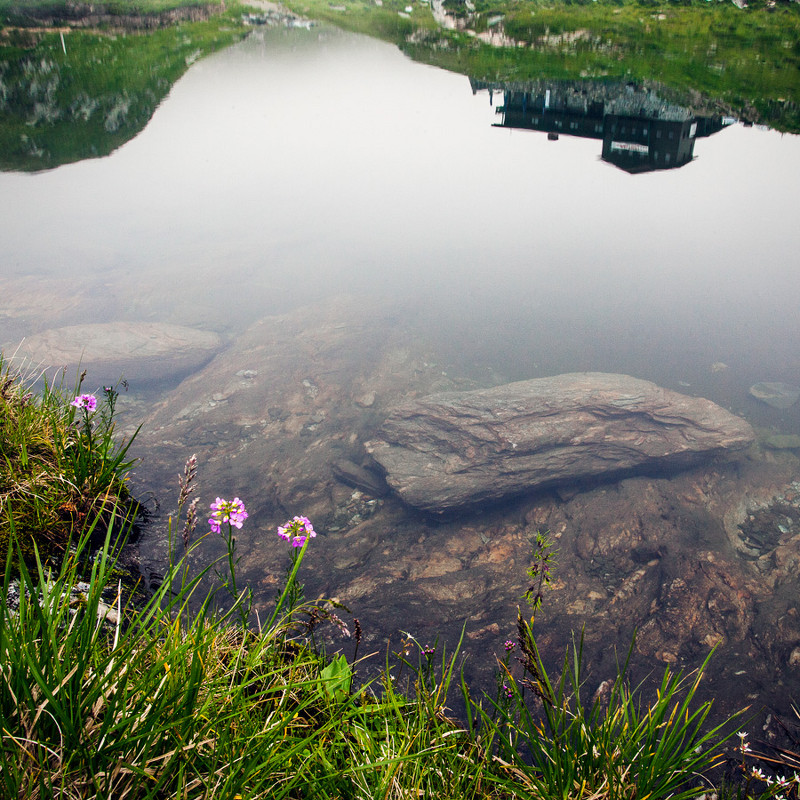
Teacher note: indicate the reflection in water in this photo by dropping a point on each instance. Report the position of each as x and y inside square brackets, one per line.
[640, 131]
[83, 95]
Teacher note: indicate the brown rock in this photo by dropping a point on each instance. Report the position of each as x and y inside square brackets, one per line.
[459, 449]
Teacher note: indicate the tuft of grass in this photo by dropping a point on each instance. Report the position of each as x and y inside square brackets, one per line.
[106, 699]
[614, 747]
[59, 467]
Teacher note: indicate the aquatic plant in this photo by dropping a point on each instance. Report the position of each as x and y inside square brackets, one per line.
[778, 775]
[615, 745]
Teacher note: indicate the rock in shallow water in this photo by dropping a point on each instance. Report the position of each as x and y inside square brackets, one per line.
[137, 351]
[777, 395]
[463, 448]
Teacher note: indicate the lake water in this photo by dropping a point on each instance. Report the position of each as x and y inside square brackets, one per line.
[301, 165]
[304, 163]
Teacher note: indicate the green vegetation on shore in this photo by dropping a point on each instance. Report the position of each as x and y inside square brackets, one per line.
[67, 95]
[83, 88]
[740, 61]
[61, 466]
[189, 693]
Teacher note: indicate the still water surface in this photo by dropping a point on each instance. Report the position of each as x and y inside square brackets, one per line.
[304, 163]
[300, 165]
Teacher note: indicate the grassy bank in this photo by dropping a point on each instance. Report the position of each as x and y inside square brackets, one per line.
[188, 693]
[70, 94]
[60, 463]
[740, 61]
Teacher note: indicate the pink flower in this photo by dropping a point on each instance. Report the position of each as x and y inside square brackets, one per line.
[87, 401]
[231, 511]
[296, 531]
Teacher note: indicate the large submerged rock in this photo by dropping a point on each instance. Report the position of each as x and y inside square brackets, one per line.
[136, 351]
[463, 448]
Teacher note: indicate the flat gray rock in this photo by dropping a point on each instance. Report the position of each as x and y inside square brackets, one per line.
[136, 351]
[775, 394]
[464, 448]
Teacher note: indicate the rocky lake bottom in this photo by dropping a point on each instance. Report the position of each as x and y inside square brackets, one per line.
[690, 560]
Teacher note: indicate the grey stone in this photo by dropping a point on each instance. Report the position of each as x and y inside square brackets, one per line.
[136, 351]
[775, 394]
[463, 448]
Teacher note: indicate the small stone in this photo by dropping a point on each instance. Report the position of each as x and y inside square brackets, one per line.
[366, 400]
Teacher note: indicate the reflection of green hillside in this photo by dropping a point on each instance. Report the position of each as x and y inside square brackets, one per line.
[745, 61]
[58, 107]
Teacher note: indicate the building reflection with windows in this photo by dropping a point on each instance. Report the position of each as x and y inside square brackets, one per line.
[640, 131]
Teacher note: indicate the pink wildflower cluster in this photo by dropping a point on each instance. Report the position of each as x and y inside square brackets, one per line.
[87, 401]
[230, 511]
[296, 531]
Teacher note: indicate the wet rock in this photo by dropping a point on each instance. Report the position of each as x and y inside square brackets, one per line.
[460, 449]
[353, 475]
[135, 351]
[782, 441]
[777, 395]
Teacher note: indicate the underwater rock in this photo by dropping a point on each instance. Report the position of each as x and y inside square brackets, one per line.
[360, 478]
[135, 351]
[782, 441]
[777, 395]
[463, 448]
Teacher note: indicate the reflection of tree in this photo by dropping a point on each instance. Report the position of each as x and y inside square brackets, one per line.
[639, 129]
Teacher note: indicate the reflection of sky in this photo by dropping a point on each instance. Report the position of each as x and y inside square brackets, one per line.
[315, 162]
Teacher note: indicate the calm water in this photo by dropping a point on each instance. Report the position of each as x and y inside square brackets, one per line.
[300, 165]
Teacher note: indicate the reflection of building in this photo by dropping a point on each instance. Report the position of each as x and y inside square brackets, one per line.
[640, 131]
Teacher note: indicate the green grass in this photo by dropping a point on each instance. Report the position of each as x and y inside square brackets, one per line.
[173, 698]
[164, 701]
[60, 466]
